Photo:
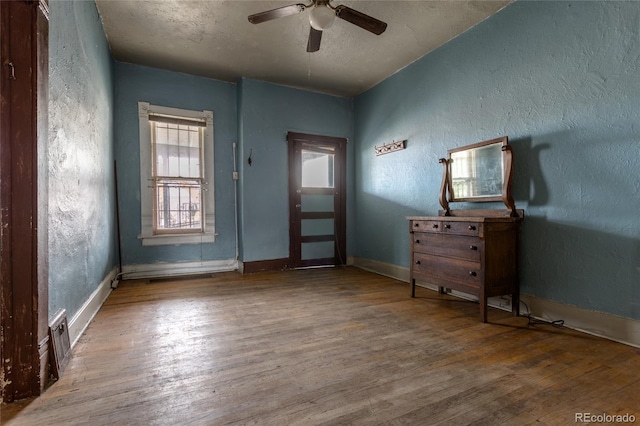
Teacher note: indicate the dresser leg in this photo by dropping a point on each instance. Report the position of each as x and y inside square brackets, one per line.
[515, 304]
[413, 288]
[483, 309]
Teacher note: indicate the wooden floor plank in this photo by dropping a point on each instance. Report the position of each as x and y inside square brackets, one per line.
[324, 346]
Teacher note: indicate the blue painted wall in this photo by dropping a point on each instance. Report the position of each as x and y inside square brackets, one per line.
[562, 80]
[135, 83]
[267, 112]
[81, 191]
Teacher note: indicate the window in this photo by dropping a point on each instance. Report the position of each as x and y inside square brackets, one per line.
[176, 175]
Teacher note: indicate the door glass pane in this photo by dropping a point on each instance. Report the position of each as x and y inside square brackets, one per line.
[317, 227]
[316, 203]
[320, 250]
[317, 169]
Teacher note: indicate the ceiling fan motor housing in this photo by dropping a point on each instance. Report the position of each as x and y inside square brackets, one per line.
[322, 16]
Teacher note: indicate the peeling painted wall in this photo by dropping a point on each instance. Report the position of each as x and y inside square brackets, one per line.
[562, 80]
[81, 191]
[267, 113]
[135, 83]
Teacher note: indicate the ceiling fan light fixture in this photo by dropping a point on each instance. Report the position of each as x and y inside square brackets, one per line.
[322, 17]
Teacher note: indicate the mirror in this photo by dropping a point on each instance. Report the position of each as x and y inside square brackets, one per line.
[477, 173]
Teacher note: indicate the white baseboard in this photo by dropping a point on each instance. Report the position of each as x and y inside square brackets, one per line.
[390, 270]
[612, 327]
[90, 308]
[155, 270]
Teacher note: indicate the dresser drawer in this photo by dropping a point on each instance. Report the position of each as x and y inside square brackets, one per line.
[462, 228]
[458, 246]
[426, 226]
[449, 269]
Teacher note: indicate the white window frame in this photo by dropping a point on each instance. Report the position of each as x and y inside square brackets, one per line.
[146, 189]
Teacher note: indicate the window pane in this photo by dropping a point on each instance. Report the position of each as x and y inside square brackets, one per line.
[178, 205]
[161, 151]
[317, 169]
[317, 227]
[194, 153]
[317, 203]
[177, 150]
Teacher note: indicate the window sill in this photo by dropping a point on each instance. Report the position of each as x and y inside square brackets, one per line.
[165, 240]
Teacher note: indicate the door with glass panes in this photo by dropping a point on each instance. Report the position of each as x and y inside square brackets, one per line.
[317, 200]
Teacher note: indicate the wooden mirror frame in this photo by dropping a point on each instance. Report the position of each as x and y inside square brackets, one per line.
[446, 193]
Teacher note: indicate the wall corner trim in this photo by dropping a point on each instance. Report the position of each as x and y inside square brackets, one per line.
[82, 318]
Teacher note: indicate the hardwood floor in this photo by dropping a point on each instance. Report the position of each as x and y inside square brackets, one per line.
[325, 346]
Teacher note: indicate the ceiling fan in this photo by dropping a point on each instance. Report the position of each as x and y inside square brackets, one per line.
[321, 18]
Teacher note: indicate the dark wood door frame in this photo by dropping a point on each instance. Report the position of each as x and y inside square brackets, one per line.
[23, 242]
[315, 142]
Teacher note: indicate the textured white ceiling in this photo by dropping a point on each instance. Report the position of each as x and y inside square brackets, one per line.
[213, 38]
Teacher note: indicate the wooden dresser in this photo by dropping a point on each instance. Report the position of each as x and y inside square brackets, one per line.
[477, 255]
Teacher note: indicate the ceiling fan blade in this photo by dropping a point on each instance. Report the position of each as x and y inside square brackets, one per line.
[315, 37]
[360, 19]
[280, 12]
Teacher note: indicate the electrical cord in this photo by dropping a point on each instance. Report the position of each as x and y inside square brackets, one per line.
[535, 321]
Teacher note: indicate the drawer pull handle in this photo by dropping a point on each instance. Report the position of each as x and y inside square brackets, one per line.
[473, 247]
[418, 262]
[434, 226]
[417, 225]
[417, 241]
[472, 228]
[472, 273]
[447, 226]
